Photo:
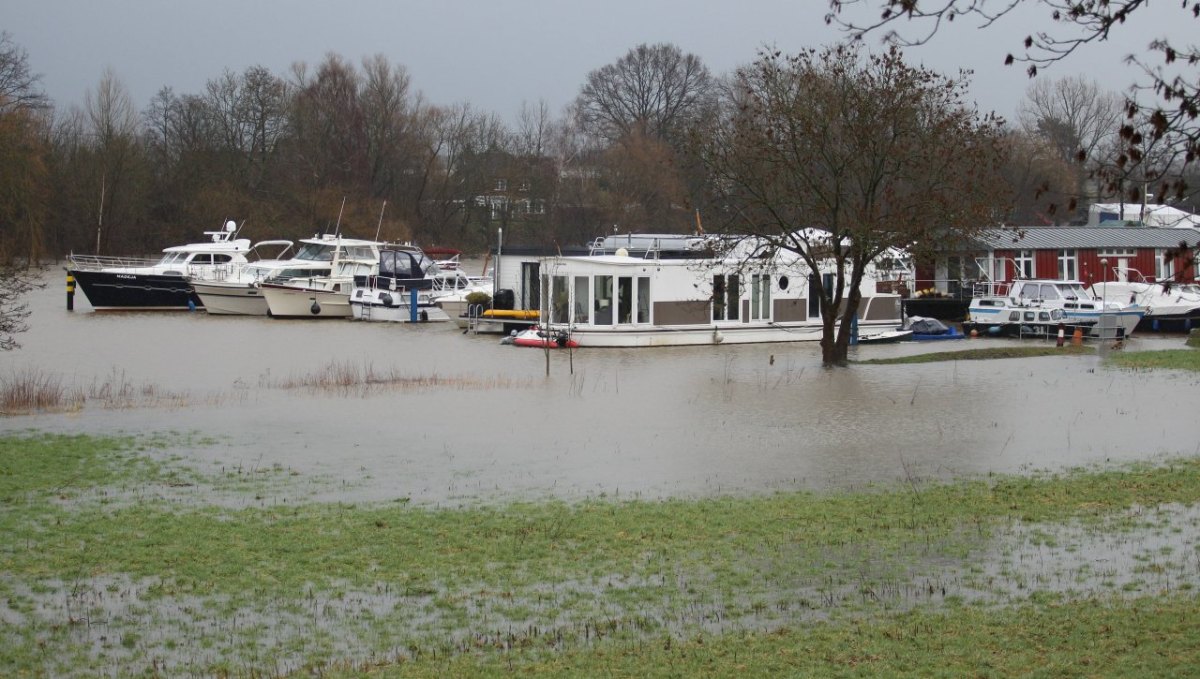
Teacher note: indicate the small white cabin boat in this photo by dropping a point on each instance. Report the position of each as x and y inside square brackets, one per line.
[1171, 304]
[401, 290]
[679, 292]
[1039, 306]
[323, 296]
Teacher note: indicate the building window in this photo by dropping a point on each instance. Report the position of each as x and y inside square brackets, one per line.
[1164, 265]
[1068, 265]
[525, 185]
[1023, 261]
[501, 184]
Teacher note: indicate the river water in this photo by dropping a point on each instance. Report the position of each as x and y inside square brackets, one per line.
[465, 419]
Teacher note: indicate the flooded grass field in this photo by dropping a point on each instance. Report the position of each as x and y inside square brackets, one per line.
[257, 497]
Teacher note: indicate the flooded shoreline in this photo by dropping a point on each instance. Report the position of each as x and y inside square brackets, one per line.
[467, 419]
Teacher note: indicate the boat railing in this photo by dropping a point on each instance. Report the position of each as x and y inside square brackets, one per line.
[936, 288]
[991, 288]
[98, 262]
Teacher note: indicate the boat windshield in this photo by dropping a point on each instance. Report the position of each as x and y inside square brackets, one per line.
[1075, 291]
[284, 274]
[360, 252]
[173, 258]
[318, 252]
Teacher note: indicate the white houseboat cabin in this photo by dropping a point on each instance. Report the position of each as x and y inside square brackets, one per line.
[670, 290]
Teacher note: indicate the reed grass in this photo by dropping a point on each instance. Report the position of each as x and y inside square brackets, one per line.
[346, 376]
[26, 390]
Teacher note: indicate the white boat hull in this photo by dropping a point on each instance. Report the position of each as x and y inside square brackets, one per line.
[288, 302]
[240, 299]
[662, 336]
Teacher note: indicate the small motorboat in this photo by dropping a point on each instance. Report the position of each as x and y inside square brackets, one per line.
[543, 339]
[885, 337]
[931, 329]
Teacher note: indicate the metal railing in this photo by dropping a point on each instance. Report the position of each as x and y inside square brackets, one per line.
[98, 262]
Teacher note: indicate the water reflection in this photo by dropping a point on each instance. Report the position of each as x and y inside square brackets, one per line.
[671, 421]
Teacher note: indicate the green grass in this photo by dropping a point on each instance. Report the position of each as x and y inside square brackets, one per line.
[870, 582]
[1168, 359]
[983, 354]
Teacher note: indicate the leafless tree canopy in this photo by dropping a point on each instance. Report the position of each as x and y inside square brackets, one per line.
[837, 156]
[1161, 139]
[654, 90]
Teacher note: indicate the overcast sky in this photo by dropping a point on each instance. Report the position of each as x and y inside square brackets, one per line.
[495, 55]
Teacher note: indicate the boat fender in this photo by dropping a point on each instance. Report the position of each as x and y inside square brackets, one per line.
[191, 305]
[315, 308]
[424, 316]
[386, 300]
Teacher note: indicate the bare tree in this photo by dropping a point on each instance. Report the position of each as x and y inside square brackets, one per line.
[1170, 124]
[1039, 180]
[24, 188]
[388, 114]
[839, 158]
[113, 135]
[19, 87]
[1078, 120]
[654, 90]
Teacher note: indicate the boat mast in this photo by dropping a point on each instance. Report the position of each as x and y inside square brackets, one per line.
[380, 224]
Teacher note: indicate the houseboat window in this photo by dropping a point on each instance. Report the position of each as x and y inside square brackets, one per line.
[726, 294]
[760, 297]
[561, 296]
[1023, 261]
[624, 299]
[1029, 315]
[1164, 265]
[544, 282]
[221, 259]
[1014, 315]
[582, 300]
[603, 307]
[718, 298]
[1068, 265]
[643, 300]
[1043, 315]
[201, 259]
[783, 282]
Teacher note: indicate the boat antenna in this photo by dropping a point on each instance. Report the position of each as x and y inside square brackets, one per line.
[100, 213]
[380, 224]
[337, 229]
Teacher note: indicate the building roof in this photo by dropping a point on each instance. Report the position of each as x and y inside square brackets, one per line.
[1086, 237]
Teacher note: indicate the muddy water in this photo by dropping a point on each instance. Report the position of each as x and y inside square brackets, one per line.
[649, 423]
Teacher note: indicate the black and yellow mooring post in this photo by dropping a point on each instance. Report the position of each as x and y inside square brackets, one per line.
[70, 292]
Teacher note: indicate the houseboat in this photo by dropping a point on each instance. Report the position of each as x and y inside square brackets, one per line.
[665, 290]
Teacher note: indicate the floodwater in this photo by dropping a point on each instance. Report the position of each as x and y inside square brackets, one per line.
[480, 421]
